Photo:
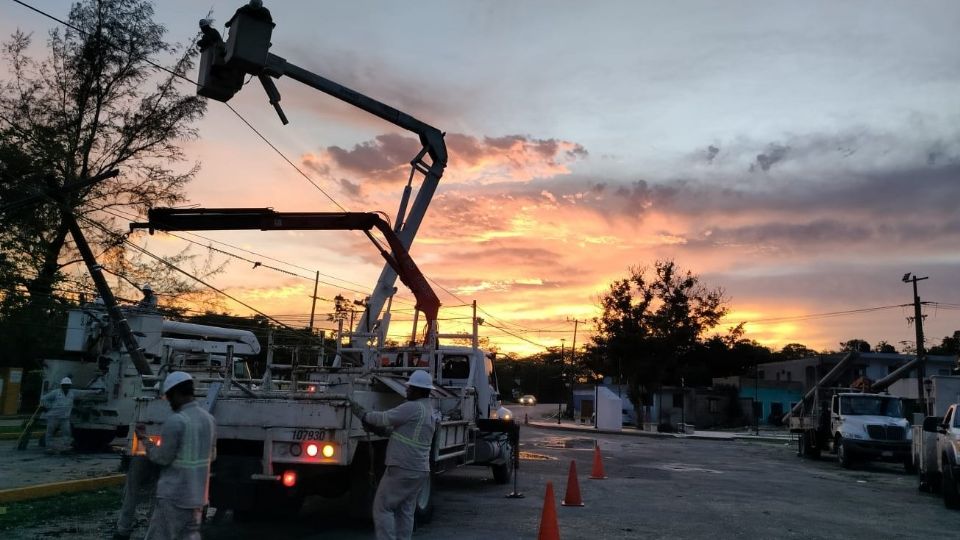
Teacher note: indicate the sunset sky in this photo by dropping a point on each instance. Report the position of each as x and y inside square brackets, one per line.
[801, 156]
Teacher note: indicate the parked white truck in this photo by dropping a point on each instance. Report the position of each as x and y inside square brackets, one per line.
[936, 447]
[856, 427]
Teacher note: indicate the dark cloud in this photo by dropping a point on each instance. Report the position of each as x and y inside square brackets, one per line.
[775, 153]
[712, 152]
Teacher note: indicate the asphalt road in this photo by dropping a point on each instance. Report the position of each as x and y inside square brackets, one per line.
[657, 488]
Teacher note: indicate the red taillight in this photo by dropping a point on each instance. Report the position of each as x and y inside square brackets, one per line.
[289, 479]
[312, 450]
[312, 388]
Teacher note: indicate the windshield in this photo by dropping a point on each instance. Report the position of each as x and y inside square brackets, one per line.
[870, 405]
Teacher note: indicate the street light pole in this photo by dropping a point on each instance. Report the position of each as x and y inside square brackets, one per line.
[560, 395]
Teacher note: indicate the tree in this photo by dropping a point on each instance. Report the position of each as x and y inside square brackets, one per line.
[949, 346]
[855, 345]
[94, 104]
[884, 347]
[652, 325]
[793, 351]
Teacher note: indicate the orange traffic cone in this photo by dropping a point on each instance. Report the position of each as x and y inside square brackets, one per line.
[549, 530]
[572, 498]
[597, 472]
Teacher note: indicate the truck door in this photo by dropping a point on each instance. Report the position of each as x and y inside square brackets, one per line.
[943, 439]
[834, 414]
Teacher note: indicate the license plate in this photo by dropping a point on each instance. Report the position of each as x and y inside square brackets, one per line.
[309, 435]
[887, 454]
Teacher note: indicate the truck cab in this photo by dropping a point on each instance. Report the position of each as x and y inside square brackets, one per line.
[870, 427]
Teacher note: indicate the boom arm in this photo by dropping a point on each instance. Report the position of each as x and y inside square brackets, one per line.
[225, 65]
[265, 219]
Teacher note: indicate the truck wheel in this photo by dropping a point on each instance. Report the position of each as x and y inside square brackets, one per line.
[423, 512]
[951, 496]
[843, 454]
[808, 447]
[503, 473]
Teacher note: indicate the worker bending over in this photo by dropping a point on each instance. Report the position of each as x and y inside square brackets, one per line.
[407, 460]
[187, 446]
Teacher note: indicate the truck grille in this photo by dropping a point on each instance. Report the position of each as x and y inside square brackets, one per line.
[886, 433]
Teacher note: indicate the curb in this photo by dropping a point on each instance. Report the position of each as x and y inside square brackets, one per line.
[59, 488]
[637, 433]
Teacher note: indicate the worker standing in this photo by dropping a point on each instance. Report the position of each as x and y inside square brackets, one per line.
[408, 458]
[59, 406]
[187, 446]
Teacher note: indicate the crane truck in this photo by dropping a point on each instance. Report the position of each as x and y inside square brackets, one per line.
[855, 425]
[296, 432]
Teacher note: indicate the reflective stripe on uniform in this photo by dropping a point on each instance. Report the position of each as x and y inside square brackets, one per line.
[187, 457]
[414, 441]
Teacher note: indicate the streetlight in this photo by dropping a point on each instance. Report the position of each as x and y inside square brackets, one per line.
[560, 395]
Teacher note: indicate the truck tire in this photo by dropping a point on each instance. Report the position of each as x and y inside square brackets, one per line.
[503, 473]
[423, 512]
[843, 453]
[807, 446]
[951, 495]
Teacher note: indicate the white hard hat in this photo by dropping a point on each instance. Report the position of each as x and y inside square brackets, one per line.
[146, 287]
[420, 379]
[66, 380]
[174, 379]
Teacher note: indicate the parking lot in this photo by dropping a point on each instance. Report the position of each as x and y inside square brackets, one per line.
[658, 487]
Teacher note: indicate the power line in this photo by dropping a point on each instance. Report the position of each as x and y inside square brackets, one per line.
[814, 316]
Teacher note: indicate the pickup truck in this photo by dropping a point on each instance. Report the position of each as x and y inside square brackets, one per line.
[940, 456]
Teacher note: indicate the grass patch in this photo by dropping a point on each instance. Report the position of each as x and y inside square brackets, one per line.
[18, 514]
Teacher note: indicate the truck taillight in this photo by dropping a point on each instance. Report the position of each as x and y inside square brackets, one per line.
[329, 450]
[289, 478]
[312, 450]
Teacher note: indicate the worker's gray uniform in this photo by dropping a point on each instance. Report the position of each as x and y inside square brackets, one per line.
[408, 466]
[59, 407]
[187, 446]
[140, 486]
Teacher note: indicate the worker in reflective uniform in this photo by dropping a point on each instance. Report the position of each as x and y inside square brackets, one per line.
[59, 406]
[408, 458]
[186, 448]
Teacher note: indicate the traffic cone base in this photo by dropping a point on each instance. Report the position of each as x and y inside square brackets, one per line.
[597, 472]
[572, 498]
[549, 529]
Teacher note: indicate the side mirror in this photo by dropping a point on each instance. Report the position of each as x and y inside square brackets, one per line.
[931, 424]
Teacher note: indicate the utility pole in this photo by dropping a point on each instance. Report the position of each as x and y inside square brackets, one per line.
[918, 326]
[573, 362]
[313, 306]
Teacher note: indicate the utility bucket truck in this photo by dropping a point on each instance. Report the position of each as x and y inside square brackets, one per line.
[95, 359]
[296, 431]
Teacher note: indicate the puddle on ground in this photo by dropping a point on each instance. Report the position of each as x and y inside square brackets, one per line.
[680, 467]
[531, 456]
[581, 443]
